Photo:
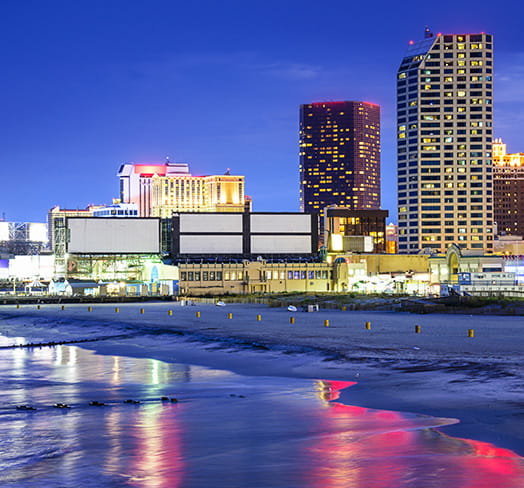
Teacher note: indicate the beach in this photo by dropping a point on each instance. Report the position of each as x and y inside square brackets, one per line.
[474, 380]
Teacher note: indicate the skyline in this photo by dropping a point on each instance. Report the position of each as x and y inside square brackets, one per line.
[90, 87]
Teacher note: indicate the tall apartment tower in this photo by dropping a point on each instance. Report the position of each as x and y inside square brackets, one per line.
[339, 156]
[444, 114]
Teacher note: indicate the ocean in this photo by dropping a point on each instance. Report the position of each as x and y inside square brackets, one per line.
[160, 423]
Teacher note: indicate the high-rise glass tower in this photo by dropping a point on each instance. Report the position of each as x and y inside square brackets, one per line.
[445, 119]
[339, 156]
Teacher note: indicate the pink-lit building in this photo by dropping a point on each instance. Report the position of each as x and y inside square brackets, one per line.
[159, 190]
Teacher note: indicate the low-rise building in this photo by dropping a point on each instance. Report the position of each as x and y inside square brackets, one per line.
[247, 277]
[342, 224]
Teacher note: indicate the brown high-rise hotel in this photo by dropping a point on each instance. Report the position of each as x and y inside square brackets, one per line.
[339, 156]
[508, 190]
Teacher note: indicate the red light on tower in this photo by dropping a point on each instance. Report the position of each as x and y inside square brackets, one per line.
[152, 169]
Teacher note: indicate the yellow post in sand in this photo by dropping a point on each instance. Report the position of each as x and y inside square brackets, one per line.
[259, 317]
[344, 308]
[170, 312]
[326, 323]
[63, 307]
[368, 325]
[38, 307]
[230, 315]
[117, 310]
[291, 320]
[89, 309]
[197, 314]
[417, 329]
[141, 310]
[471, 333]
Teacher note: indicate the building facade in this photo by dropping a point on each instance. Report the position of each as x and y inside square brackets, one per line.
[339, 156]
[159, 190]
[259, 235]
[392, 238]
[23, 238]
[444, 114]
[508, 190]
[254, 277]
[341, 223]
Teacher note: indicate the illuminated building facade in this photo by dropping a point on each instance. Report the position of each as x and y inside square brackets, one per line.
[159, 190]
[341, 222]
[508, 190]
[339, 156]
[23, 238]
[444, 112]
[135, 182]
[391, 238]
[170, 194]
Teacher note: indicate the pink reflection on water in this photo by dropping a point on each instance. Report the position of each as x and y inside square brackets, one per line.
[158, 454]
[384, 449]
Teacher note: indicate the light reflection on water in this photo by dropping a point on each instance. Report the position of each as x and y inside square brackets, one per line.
[225, 431]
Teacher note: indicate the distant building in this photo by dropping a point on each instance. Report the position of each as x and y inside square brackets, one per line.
[117, 209]
[57, 231]
[444, 136]
[391, 238]
[509, 245]
[23, 238]
[341, 225]
[508, 190]
[339, 156]
[159, 190]
[128, 249]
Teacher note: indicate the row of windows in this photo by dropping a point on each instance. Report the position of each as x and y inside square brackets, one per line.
[208, 275]
[113, 212]
[319, 274]
[447, 79]
[413, 75]
[322, 274]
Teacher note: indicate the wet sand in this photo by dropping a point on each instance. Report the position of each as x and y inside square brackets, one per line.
[441, 371]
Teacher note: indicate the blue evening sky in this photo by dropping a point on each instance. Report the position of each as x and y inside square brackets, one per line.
[86, 85]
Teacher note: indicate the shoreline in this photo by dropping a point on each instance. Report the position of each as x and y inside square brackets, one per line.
[453, 304]
[477, 381]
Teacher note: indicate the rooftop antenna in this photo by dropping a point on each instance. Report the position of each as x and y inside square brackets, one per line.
[427, 33]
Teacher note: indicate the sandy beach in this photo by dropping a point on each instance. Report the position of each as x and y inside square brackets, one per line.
[457, 366]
